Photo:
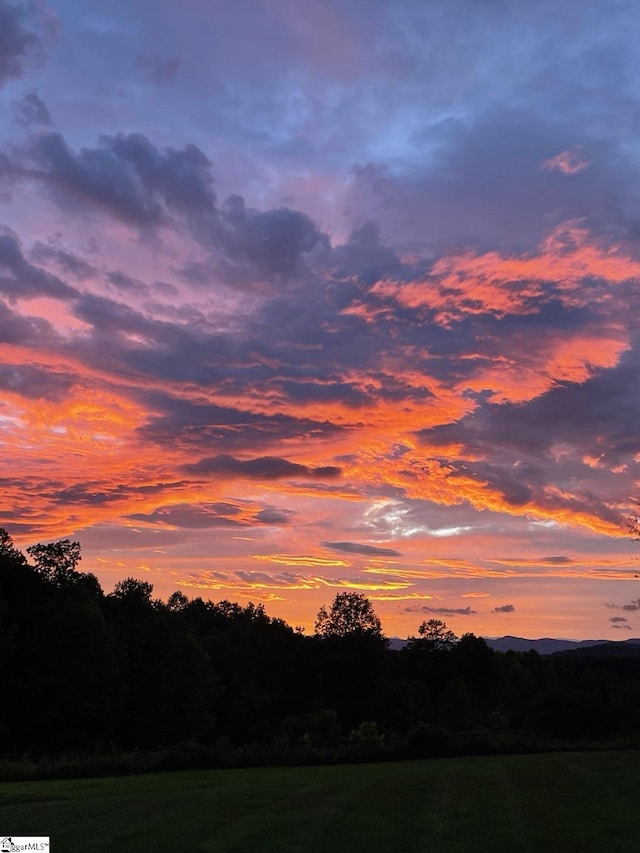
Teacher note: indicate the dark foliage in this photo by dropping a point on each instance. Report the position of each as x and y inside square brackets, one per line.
[109, 678]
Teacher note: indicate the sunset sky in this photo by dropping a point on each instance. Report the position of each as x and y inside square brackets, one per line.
[308, 296]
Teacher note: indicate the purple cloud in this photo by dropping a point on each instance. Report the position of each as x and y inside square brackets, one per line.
[262, 468]
[24, 29]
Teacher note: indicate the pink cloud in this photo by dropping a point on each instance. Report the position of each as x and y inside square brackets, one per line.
[569, 162]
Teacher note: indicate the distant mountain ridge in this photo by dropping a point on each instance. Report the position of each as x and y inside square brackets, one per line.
[549, 646]
[543, 645]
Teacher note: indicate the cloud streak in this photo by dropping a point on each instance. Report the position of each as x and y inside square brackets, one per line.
[364, 550]
[441, 611]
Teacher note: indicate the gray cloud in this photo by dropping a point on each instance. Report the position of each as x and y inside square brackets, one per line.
[67, 262]
[25, 331]
[24, 29]
[365, 256]
[323, 392]
[126, 283]
[632, 607]
[262, 468]
[193, 516]
[274, 517]
[616, 619]
[505, 608]
[272, 241]
[559, 560]
[365, 550]
[34, 382]
[19, 278]
[97, 493]
[128, 176]
[203, 426]
[146, 186]
[440, 611]
[32, 111]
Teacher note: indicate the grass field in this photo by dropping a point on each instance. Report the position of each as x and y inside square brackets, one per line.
[565, 802]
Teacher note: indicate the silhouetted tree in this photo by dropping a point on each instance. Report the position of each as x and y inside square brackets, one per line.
[352, 657]
[434, 637]
[56, 561]
[177, 601]
[7, 548]
[350, 613]
[133, 590]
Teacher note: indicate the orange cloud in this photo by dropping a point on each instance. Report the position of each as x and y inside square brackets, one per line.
[410, 596]
[467, 284]
[300, 560]
[249, 583]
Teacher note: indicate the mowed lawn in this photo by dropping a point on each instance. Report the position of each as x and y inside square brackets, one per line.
[557, 802]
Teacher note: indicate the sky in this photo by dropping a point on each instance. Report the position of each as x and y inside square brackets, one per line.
[300, 297]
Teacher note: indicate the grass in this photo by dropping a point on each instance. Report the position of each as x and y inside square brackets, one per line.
[568, 802]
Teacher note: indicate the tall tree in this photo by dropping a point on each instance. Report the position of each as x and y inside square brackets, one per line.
[434, 637]
[56, 561]
[7, 548]
[350, 613]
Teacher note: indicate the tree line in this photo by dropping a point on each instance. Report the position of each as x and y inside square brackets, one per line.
[88, 673]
